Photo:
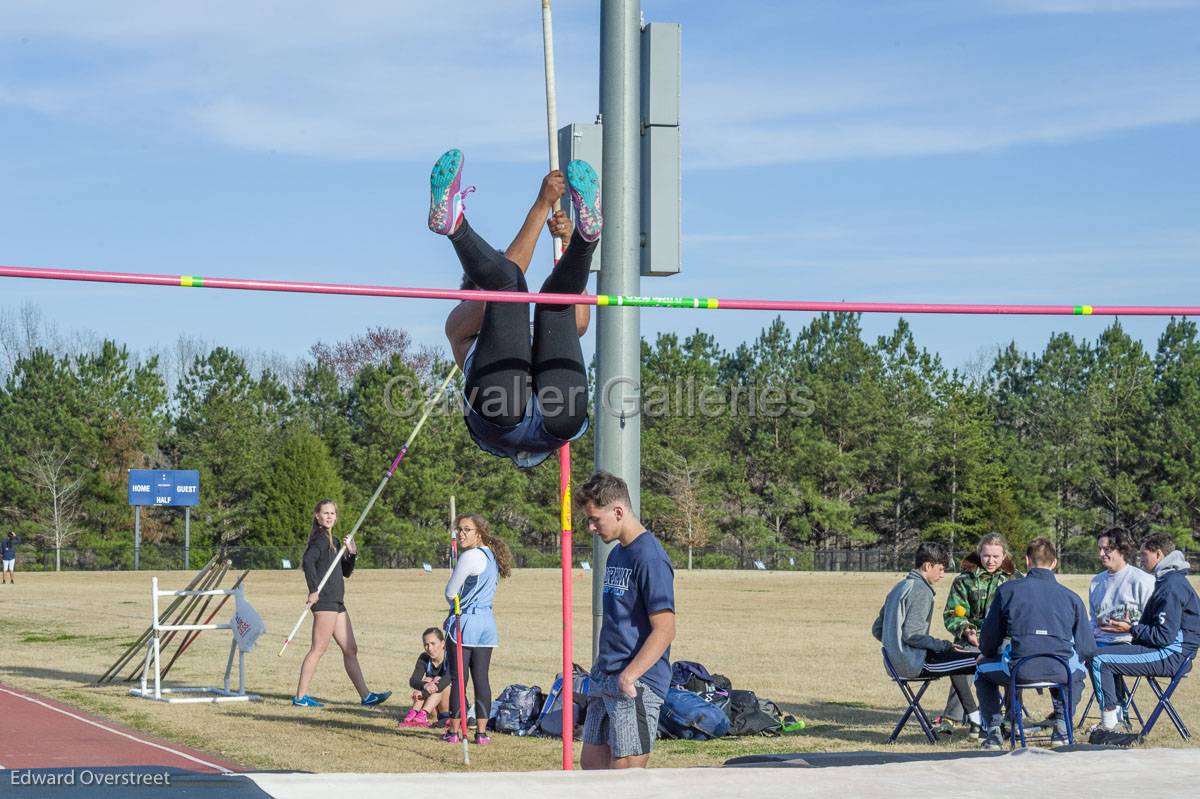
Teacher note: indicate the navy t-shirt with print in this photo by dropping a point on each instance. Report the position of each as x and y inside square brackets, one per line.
[638, 581]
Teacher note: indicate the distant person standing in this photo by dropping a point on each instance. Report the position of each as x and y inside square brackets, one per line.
[8, 554]
[632, 672]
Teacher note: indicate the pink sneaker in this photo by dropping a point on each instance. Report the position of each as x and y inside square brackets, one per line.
[451, 738]
[446, 206]
[585, 197]
[417, 719]
[481, 739]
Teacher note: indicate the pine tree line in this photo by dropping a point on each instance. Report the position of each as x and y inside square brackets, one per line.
[807, 438]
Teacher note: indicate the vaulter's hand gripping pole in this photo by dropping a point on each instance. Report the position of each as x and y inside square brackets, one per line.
[337, 561]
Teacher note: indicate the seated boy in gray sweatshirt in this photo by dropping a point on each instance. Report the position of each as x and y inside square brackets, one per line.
[903, 629]
[1119, 592]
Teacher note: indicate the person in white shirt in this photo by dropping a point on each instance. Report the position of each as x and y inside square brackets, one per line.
[483, 560]
[1119, 592]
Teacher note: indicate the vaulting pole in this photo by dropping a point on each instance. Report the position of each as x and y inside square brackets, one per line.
[564, 453]
[551, 103]
[453, 534]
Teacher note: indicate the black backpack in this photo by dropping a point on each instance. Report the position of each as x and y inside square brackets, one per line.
[748, 715]
[516, 710]
[692, 676]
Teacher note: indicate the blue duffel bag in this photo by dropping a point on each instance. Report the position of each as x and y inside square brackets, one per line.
[686, 715]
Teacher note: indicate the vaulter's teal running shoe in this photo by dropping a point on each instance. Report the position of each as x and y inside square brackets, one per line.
[585, 198]
[446, 204]
[305, 701]
[372, 699]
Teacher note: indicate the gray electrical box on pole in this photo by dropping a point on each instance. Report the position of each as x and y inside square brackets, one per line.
[583, 141]
[661, 192]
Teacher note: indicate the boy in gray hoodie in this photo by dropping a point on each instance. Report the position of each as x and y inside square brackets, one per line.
[903, 629]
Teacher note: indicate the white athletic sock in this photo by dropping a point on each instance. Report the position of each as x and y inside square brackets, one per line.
[1108, 719]
[973, 717]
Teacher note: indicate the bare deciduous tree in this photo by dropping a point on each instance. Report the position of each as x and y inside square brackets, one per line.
[689, 525]
[374, 348]
[49, 470]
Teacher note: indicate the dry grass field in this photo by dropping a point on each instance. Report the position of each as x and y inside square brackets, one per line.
[801, 639]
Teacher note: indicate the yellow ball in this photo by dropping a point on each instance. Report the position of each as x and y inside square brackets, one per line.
[959, 610]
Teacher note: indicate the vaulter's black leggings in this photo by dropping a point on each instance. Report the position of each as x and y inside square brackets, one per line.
[506, 366]
[476, 662]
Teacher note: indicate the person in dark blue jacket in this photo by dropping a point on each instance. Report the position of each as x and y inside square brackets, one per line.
[1040, 617]
[8, 556]
[1167, 635]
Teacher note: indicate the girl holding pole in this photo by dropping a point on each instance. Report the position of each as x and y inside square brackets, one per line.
[330, 618]
[483, 559]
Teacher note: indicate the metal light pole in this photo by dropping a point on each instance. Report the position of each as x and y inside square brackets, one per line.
[618, 330]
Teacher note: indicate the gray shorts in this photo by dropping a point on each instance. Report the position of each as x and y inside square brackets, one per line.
[626, 726]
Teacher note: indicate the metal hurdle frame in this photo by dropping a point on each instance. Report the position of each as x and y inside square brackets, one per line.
[154, 654]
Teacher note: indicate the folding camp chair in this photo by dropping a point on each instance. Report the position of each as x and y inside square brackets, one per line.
[913, 700]
[1164, 701]
[1127, 704]
[1016, 685]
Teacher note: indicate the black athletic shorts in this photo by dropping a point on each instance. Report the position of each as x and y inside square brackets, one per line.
[334, 605]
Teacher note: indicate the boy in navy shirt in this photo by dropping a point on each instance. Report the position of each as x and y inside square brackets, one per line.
[1040, 617]
[632, 672]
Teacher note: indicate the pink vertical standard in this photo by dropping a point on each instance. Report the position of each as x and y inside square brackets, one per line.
[568, 717]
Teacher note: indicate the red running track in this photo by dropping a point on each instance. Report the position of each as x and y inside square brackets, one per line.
[36, 732]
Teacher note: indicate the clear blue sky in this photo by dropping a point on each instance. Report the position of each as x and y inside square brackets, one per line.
[1033, 151]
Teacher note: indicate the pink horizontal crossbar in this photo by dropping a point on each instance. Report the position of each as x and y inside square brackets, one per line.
[93, 276]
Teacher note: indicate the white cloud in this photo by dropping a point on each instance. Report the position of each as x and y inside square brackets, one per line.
[399, 79]
[929, 102]
[356, 80]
